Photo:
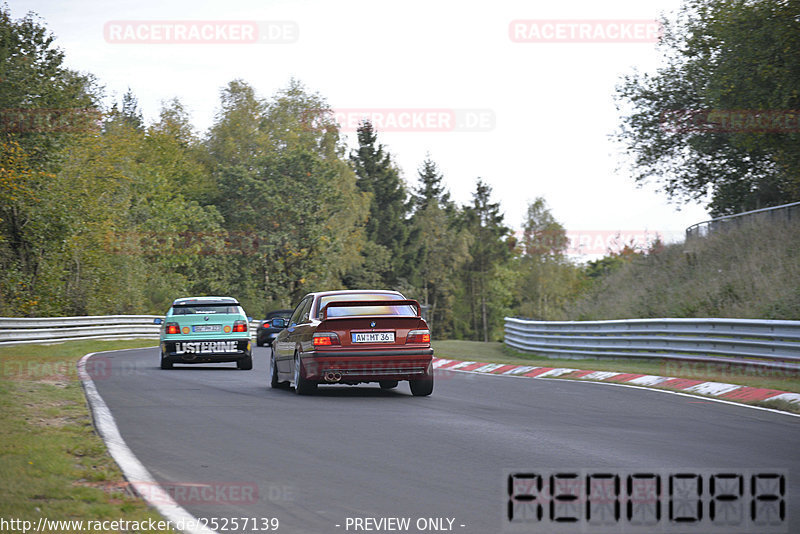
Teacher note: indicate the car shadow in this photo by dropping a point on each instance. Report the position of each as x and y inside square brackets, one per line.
[198, 367]
[361, 391]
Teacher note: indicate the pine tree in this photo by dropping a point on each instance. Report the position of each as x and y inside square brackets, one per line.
[387, 225]
[443, 247]
[130, 110]
[431, 189]
[490, 249]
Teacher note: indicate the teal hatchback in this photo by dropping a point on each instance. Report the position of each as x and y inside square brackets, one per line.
[205, 330]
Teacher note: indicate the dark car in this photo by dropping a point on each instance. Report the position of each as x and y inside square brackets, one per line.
[205, 330]
[265, 332]
[350, 337]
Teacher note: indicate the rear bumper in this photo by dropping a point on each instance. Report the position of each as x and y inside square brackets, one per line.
[368, 365]
[206, 350]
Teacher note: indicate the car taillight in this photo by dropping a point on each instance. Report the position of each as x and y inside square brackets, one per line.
[326, 339]
[173, 328]
[419, 336]
[240, 326]
[265, 324]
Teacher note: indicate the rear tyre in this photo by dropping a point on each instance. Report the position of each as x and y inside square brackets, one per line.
[302, 386]
[164, 363]
[245, 364]
[388, 384]
[273, 374]
[259, 343]
[422, 387]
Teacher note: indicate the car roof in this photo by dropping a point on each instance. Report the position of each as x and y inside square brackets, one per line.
[205, 300]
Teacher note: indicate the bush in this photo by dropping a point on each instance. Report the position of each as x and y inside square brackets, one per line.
[750, 271]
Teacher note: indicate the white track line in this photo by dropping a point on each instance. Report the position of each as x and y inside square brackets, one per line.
[135, 472]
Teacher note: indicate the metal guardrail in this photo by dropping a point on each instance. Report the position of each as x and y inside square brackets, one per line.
[15, 330]
[773, 344]
[785, 213]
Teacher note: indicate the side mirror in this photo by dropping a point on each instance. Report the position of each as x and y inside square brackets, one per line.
[278, 323]
[249, 319]
[158, 320]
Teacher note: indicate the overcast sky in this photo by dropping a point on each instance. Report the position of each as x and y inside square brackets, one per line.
[531, 118]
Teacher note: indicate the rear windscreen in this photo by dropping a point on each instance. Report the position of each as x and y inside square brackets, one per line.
[401, 310]
[207, 309]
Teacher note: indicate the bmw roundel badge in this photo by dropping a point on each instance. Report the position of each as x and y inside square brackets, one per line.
[372, 324]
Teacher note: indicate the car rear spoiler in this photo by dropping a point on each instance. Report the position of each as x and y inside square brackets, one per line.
[355, 303]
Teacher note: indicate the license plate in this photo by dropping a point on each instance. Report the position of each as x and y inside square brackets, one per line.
[373, 337]
[207, 328]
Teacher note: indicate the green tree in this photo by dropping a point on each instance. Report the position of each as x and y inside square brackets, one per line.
[389, 210]
[128, 113]
[485, 292]
[170, 208]
[444, 252]
[286, 193]
[18, 252]
[238, 134]
[46, 110]
[42, 102]
[132, 239]
[547, 281]
[720, 57]
[542, 234]
[430, 190]
[171, 144]
[443, 247]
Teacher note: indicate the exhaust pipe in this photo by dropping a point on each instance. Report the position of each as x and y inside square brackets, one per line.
[331, 376]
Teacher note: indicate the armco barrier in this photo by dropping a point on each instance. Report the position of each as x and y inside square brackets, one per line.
[774, 344]
[14, 331]
[776, 214]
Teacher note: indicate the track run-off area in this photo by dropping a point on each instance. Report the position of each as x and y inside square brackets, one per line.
[223, 445]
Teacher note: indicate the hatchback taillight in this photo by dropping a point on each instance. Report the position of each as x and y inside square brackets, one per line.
[419, 336]
[240, 326]
[326, 339]
[173, 328]
[265, 324]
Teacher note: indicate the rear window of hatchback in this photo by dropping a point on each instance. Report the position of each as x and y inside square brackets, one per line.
[207, 309]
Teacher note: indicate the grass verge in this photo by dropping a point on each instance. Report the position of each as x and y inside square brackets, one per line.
[52, 463]
[496, 352]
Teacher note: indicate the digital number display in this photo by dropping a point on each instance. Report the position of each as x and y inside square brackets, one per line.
[679, 501]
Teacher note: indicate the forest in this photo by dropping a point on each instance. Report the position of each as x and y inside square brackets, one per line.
[103, 213]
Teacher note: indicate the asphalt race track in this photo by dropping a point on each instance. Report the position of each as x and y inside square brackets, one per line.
[319, 463]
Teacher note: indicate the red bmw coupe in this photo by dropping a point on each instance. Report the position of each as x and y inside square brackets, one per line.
[349, 337]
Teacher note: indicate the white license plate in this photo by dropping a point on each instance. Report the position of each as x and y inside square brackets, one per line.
[373, 337]
[207, 328]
